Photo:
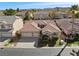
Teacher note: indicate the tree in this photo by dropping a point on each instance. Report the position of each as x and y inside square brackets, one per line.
[77, 15]
[33, 10]
[73, 9]
[28, 16]
[43, 39]
[17, 9]
[57, 8]
[17, 37]
[52, 40]
[51, 15]
[9, 12]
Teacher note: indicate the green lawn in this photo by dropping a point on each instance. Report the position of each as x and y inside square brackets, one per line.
[57, 43]
[74, 44]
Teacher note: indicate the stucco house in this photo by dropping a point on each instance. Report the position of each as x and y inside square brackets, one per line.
[8, 26]
[31, 27]
[6, 23]
[50, 26]
[21, 14]
[67, 25]
[44, 15]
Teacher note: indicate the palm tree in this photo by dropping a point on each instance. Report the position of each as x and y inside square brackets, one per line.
[73, 9]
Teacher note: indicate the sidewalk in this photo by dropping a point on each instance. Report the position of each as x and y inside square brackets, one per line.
[20, 45]
[25, 45]
[30, 45]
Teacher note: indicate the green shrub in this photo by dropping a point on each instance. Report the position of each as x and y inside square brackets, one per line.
[52, 41]
[8, 43]
[43, 41]
[9, 12]
[18, 35]
[77, 15]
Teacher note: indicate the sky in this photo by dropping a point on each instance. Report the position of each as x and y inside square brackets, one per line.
[32, 5]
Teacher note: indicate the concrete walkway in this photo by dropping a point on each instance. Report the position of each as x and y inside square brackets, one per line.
[20, 45]
[30, 45]
[25, 45]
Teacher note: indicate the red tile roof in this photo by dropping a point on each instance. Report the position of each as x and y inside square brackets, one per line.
[30, 26]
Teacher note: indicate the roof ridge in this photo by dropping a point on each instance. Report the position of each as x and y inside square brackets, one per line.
[34, 24]
[54, 27]
[45, 22]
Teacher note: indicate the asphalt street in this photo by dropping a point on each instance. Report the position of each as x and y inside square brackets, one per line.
[35, 51]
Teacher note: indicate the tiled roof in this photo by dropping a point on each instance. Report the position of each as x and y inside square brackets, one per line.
[51, 28]
[8, 19]
[41, 14]
[67, 26]
[30, 26]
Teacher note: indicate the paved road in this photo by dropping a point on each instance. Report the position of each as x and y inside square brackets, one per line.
[35, 51]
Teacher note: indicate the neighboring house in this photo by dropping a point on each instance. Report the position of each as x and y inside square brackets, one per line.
[8, 26]
[17, 25]
[6, 22]
[41, 15]
[4, 26]
[21, 14]
[67, 25]
[61, 15]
